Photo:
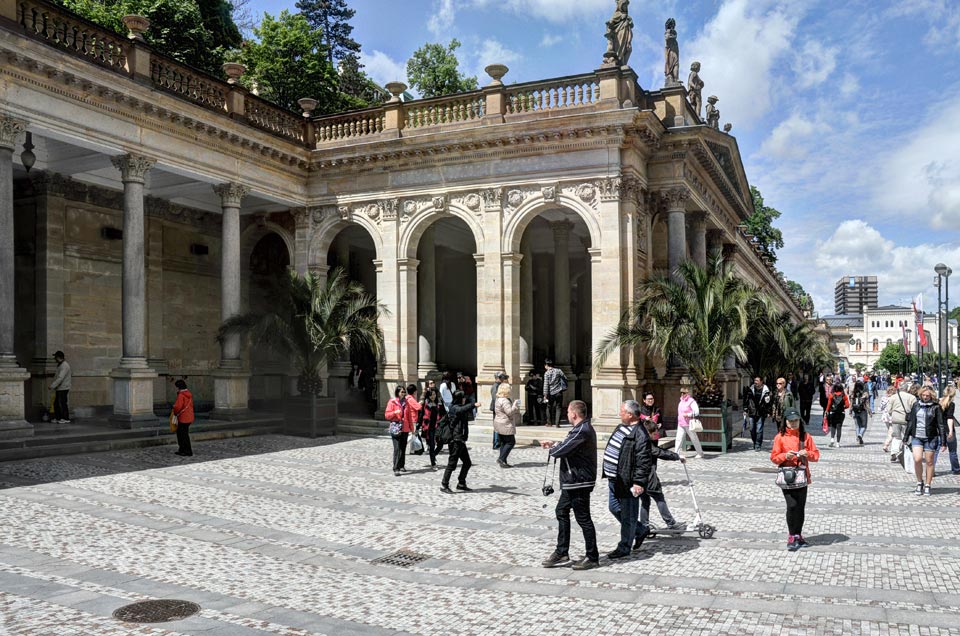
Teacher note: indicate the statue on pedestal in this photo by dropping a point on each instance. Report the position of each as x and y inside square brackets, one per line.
[713, 113]
[671, 53]
[619, 36]
[694, 88]
[727, 127]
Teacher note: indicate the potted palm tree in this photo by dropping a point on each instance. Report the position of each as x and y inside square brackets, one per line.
[313, 322]
[696, 318]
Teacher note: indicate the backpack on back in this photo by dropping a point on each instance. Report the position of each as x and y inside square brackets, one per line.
[858, 405]
[836, 405]
[445, 429]
[563, 382]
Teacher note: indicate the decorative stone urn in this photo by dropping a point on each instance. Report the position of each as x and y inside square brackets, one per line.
[136, 25]
[496, 71]
[396, 89]
[308, 104]
[233, 71]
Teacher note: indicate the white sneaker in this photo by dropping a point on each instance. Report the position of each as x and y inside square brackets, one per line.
[64, 421]
[698, 457]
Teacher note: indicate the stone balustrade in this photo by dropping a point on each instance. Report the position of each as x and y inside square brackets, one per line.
[352, 125]
[188, 83]
[556, 94]
[450, 109]
[272, 118]
[61, 28]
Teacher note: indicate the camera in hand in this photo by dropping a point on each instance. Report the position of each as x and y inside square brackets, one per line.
[547, 490]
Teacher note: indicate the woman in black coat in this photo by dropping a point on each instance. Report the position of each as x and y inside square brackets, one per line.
[457, 417]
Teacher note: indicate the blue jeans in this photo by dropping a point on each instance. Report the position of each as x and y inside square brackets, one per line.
[861, 420]
[756, 429]
[952, 447]
[625, 510]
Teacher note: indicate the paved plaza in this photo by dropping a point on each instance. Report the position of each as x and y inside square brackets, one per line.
[276, 536]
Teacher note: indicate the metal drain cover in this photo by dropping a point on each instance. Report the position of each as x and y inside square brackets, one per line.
[763, 469]
[158, 611]
[401, 558]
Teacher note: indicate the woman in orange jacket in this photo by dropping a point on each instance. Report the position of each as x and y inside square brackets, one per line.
[394, 413]
[837, 404]
[793, 447]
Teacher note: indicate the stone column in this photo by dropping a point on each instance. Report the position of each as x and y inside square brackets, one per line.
[427, 306]
[491, 339]
[133, 380]
[12, 376]
[407, 288]
[230, 380]
[676, 226]
[512, 265]
[526, 312]
[714, 243]
[698, 239]
[561, 294]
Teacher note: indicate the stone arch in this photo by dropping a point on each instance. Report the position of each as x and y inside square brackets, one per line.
[534, 205]
[324, 234]
[256, 231]
[420, 221]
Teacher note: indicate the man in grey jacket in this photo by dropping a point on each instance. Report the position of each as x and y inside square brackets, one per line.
[898, 407]
[61, 384]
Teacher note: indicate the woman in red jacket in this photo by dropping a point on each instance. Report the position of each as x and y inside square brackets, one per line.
[183, 409]
[793, 447]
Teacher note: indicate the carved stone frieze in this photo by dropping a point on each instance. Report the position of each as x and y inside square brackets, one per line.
[515, 198]
[301, 218]
[491, 198]
[439, 202]
[163, 209]
[471, 201]
[586, 192]
[10, 129]
[409, 209]
[372, 211]
[549, 193]
[609, 188]
[389, 208]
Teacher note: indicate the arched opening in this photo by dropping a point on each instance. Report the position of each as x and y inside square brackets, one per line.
[556, 312]
[446, 299]
[267, 266]
[353, 250]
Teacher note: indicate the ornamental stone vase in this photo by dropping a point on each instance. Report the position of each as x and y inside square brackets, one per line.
[496, 71]
[233, 71]
[136, 25]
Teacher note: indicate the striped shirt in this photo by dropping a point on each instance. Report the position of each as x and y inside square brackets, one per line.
[551, 382]
[611, 454]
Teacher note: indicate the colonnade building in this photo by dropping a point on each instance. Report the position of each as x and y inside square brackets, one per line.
[498, 227]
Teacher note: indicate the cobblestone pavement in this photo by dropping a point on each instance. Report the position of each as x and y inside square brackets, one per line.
[275, 536]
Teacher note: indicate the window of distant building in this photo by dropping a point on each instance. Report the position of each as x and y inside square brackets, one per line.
[876, 344]
[859, 345]
[889, 341]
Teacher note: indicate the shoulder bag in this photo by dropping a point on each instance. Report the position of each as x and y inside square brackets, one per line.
[694, 421]
[174, 422]
[791, 477]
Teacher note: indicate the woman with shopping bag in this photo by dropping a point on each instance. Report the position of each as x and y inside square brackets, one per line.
[688, 423]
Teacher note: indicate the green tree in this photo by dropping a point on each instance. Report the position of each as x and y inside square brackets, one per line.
[434, 70]
[332, 18]
[894, 360]
[195, 32]
[760, 225]
[699, 319]
[288, 61]
[314, 322]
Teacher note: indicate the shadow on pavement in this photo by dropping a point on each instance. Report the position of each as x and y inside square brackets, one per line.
[827, 539]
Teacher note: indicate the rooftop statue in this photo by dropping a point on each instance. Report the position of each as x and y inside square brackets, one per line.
[713, 113]
[694, 88]
[619, 36]
[671, 53]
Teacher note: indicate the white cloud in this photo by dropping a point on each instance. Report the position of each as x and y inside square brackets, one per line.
[814, 63]
[550, 39]
[943, 17]
[442, 19]
[492, 51]
[557, 11]
[382, 68]
[857, 248]
[793, 138]
[740, 49]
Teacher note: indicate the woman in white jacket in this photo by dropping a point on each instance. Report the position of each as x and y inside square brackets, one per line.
[504, 412]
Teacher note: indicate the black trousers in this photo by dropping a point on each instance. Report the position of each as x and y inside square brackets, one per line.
[796, 504]
[554, 406]
[399, 450]
[183, 438]
[805, 406]
[60, 410]
[535, 410]
[577, 500]
[431, 440]
[507, 442]
[458, 452]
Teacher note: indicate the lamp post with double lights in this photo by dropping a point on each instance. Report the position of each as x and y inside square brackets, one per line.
[943, 309]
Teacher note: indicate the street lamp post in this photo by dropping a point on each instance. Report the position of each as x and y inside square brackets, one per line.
[943, 309]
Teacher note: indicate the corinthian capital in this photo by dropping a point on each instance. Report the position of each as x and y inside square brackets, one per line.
[132, 167]
[231, 194]
[676, 197]
[10, 129]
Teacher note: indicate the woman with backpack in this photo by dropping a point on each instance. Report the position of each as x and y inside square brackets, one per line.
[927, 432]
[394, 414]
[793, 448]
[859, 407]
[837, 404]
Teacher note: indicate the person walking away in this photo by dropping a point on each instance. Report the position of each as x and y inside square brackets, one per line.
[927, 432]
[860, 407]
[783, 400]
[898, 408]
[885, 418]
[948, 406]
[183, 409]
[433, 411]
[455, 433]
[394, 413]
[62, 381]
[499, 378]
[505, 412]
[626, 466]
[534, 391]
[792, 447]
[806, 390]
[654, 491]
[687, 409]
[758, 408]
[554, 384]
[837, 404]
[577, 455]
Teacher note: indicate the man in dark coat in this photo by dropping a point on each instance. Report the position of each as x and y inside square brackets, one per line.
[626, 464]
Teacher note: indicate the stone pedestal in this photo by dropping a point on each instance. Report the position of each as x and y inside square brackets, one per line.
[230, 392]
[12, 421]
[133, 397]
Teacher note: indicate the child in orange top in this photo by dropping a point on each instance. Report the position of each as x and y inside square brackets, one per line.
[794, 447]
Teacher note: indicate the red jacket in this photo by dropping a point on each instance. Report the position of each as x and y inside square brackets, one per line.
[411, 414]
[846, 402]
[789, 440]
[394, 410]
[183, 407]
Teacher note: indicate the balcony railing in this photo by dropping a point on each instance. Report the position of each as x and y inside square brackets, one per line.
[551, 95]
[182, 80]
[72, 33]
[350, 126]
[444, 110]
[273, 119]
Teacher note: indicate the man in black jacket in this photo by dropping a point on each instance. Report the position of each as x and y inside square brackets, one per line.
[577, 455]
[626, 464]
[807, 389]
[535, 408]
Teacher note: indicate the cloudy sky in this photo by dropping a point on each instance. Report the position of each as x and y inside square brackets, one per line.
[847, 114]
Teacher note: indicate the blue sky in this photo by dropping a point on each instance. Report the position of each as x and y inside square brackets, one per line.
[847, 114]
